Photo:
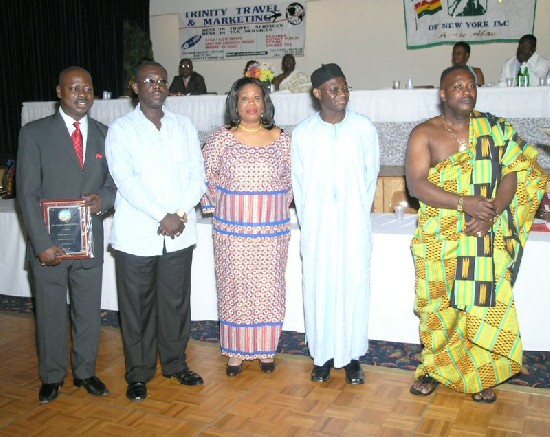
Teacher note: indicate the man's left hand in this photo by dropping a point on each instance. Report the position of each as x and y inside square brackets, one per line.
[478, 228]
[171, 226]
[93, 201]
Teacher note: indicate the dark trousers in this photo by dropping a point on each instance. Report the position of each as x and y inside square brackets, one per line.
[50, 304]
[154, 295]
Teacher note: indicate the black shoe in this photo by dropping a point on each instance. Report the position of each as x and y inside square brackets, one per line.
[354, 373]
[48, 392]
[233, 370]
[93, 385]
[322, 373]
[267, 367]
[187, 377]
[136, 391]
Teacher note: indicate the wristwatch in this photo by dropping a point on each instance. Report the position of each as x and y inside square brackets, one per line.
[182, 214]
[460, 205]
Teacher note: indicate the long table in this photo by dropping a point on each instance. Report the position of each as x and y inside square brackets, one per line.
[391, 316]
[394, 112]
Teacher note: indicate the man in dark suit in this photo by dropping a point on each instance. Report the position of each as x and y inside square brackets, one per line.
[48, 167]
[188, 82]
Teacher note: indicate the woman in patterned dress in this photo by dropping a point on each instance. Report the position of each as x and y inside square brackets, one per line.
[249, 191]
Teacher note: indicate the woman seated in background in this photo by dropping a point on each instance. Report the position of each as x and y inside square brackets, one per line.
[461, 54]
[247, 167]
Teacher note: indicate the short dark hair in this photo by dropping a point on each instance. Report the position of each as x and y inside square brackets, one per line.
[446, 72]
[531, 39]
[67, 70]
[146, 64]
[232, 115]
[463, 44]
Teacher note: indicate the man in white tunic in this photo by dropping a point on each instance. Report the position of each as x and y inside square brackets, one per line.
[335, 163]
[155, 159]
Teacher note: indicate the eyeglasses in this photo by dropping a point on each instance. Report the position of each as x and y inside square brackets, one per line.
[75, 89]
[334, 91]
[151, 82]
[185, 66]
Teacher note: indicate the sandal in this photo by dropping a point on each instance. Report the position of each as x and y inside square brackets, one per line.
[425, 382]
[478, 397]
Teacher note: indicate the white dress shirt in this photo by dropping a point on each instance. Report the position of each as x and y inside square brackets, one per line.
[156, 172]
[69, 122]
[537, 65]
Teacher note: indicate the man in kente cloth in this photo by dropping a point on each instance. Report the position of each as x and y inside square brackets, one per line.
[479, 186]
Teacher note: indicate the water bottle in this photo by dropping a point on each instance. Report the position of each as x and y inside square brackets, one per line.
[519, 78]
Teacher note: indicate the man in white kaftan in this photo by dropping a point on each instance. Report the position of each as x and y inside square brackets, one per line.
[335, 164]
[296, 82]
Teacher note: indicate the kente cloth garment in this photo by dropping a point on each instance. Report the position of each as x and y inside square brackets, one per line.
[249, 193]
[334, 173]
[296, 82]
[468, 321]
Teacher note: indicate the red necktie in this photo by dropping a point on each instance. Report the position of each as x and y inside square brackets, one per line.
[78, 142]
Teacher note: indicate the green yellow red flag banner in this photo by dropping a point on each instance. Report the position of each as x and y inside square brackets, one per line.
[437, 22]
[427, 7]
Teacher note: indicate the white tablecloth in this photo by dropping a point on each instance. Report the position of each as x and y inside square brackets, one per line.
[207, 112]
[391, 314]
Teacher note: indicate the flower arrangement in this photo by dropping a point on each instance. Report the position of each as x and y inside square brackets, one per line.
[263, 72]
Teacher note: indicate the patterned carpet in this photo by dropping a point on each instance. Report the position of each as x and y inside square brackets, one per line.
[535, 372]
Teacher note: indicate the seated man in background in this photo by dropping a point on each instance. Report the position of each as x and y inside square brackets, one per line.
[461, 54]
[188, 82]
[291, 79]
[526, 56]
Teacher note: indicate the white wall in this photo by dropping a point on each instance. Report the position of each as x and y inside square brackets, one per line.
[365, 37]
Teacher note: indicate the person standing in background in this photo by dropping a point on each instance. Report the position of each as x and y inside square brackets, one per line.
[155, 159]
[335, 164]
[63, 157]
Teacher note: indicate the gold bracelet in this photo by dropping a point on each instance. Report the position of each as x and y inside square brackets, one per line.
[460, 205]
[182, 214]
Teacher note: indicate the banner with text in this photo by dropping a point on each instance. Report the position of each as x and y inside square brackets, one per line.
[436, 22]
[257, 31]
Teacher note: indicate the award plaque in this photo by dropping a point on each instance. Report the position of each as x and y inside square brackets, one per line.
[69, 223]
